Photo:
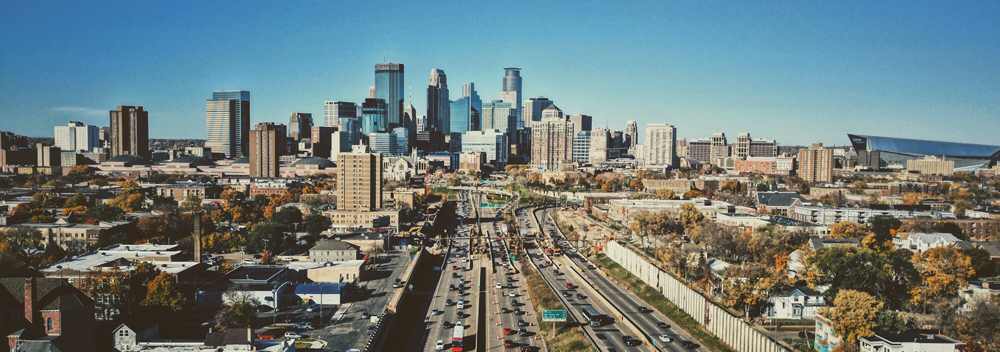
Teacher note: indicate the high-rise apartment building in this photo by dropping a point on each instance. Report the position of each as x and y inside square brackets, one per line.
[747, 147]
[699, 149]
[581, 123]
[299, 125]
[130, 132]
[498, 115]
[359, 181]
[720, 148]
[47, 155]
[600, 141]
[438, 103]
[374, 118]
[816, 164]
[227, 122]
[660, 145]
[492, 142]
[77, 137]
[389, 87]
[267, 143]
[551, 143]
[581, 147]
[335, 111]
[512, 94]
[532, 109]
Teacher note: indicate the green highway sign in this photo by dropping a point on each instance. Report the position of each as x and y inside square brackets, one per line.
[553, 315]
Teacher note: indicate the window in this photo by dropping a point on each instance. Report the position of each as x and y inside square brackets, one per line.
[48, 324]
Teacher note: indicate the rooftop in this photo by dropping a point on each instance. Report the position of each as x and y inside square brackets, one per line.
[331, 245]
[920, 336]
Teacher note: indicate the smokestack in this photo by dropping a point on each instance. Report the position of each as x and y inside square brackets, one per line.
[197, 236]
[29, 299]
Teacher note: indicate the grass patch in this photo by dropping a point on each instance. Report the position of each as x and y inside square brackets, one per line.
[657, 301]
[567, 336]
[801, 345]
[445, 192]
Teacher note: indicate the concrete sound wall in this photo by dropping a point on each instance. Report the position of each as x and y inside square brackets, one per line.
[728, 328]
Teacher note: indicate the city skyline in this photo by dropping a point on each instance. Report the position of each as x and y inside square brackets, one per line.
[797, 73]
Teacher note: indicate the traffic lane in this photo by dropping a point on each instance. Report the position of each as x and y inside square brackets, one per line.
[646, 321]
[609, 335]
[527, 306]
[446, 312]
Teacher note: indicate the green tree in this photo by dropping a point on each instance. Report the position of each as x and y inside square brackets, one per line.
[884, 227]
[316, 223]
[21, 237]
[46, 200]
[981, 262]
[191, 203]
[240, 310]
[887, 275]
[104, 212]
[77, 200]
[164, 292]
[287, 217]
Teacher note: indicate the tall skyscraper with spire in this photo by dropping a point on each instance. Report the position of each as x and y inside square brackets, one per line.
[227, 122]
[512, 93]
[438, 104]
[389, 87]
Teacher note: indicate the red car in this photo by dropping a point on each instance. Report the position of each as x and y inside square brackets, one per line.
[454, 267]
[267, 335]
[569, 285]
[509, 331]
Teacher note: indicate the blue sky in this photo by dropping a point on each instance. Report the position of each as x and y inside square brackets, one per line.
[795, 71]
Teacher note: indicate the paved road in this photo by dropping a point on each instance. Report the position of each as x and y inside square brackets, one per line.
[608, 336]
[625, 300]
[501, 299]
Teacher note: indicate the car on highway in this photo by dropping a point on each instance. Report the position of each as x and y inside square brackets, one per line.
[662, 325]
[504, 310]
[365, 315]
[303, 326]
[665, 338]
[591, 266]
[439, 345]
[436, 311]
[580, 295]
[689, 345]
[521, 322]
[509, 331]
[630, 341]
[509, 343]
[523, 332]
[292, 335]
[460, 314]
[518, 311]
[529, 348]
[449, 302]
[569, 285]
[644, 309]
[499, 285]
[447, 324]
[312, 307]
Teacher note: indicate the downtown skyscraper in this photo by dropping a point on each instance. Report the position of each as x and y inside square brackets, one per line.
[227, 122]
[660, 145]
[77, 136]
[438, 104]
[389, 88]
[512, 94]
[465, 111]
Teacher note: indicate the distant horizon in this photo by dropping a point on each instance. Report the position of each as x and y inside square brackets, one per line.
[794, 72]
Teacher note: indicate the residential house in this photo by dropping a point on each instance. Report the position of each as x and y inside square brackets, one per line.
[796, 303]
[777, 203]
[921, 242]
[826, 339]
[906, 341]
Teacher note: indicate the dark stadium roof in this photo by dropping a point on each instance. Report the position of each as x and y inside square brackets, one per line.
[322, 162]
[192, 159]
[917, 147]
[129, 159]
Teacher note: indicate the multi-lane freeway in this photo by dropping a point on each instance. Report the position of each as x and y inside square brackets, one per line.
[651, 322]
[513, 322]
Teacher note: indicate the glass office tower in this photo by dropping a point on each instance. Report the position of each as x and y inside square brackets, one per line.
[389, 87]
[227, 122]
[374, 117]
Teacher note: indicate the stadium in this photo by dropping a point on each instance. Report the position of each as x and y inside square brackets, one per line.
[875, 152]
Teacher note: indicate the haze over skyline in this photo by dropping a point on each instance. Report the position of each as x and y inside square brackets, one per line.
[790, 71]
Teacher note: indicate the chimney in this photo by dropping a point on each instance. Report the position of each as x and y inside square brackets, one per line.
[29, 299]
[197, 236]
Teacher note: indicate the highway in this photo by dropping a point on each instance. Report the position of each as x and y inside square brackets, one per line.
[459, 284]
[500, 301]
[625, 300]
[609, 337]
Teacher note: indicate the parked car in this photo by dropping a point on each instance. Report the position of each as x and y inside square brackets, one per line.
[292, 335]
[267, 335]
[303, 326]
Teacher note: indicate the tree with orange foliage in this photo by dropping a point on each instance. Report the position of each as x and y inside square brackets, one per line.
[943, 271]
[848, 229]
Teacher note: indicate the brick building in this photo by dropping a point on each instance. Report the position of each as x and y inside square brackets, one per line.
[38, 314]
